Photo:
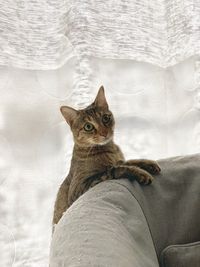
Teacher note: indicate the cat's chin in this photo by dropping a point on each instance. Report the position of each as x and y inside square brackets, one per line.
[104, 142]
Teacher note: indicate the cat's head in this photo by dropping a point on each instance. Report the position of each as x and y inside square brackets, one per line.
[93, 125]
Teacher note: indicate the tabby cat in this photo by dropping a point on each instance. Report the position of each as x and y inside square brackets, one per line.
[96, 157]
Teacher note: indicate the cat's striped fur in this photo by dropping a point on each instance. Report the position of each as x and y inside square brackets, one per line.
[96, 157]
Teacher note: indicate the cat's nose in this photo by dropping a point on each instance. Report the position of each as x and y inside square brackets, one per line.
[103, 134]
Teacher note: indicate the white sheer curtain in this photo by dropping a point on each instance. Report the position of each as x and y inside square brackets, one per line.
[56, 52]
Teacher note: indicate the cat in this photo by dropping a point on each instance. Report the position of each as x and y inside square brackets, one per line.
[96, 157]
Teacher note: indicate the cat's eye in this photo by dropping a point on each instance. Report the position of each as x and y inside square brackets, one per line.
[106, 118]
[88, 127]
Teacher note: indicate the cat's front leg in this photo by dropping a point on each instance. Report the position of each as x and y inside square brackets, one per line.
[117, 172]
[132, 173]
[79, 186]
[150, 166]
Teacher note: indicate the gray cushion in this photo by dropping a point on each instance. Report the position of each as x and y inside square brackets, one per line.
[122, 224]
[172, 203]
[187, 255]
[104, 228]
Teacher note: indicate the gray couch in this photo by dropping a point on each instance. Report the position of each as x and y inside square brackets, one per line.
[124, 224]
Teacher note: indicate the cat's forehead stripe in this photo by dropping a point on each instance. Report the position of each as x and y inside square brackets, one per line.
[91, 111]
[92, 114]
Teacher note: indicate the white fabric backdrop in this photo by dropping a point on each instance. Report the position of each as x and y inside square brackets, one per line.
[156, 99]
[157, 116]
[42, 34]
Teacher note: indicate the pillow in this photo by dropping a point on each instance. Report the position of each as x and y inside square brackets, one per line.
[187, 255]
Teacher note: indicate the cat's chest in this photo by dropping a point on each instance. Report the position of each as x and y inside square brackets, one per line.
[105, 159]
[97, 161]
[102, 160]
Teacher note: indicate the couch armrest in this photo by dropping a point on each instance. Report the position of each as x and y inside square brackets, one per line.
[104, 228]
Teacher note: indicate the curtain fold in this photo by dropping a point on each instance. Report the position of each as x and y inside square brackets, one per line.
[42, 34]
[32, 34]
[162, 33]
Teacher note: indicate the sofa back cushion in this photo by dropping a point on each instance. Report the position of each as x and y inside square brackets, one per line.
[186, 255]
[171, 202]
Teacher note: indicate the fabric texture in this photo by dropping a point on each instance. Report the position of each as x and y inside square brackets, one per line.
[118, 223]
[163, 33]
[185, 255]
[104, 228]
[171, 205]
[33, 34]
[41, 34]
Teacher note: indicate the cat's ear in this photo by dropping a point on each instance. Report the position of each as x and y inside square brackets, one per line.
[100, 100]
[69, 114]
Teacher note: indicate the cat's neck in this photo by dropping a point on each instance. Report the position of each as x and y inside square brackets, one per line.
[83, 151]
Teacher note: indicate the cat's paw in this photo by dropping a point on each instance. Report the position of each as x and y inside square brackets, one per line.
[151, 166]
[141, 176]
[145, 178]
